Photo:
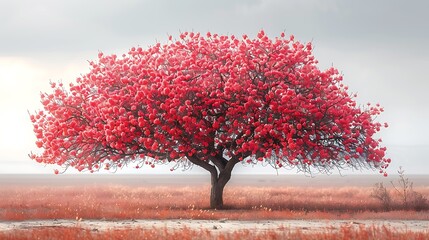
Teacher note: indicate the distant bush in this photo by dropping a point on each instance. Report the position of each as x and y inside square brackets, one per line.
[381, 193]
[409, 198]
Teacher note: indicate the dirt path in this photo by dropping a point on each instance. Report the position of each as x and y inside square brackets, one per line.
[222, 225]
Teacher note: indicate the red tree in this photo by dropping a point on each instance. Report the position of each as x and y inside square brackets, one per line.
[213, 101]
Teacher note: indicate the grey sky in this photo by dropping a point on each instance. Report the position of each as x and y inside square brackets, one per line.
[381, 47]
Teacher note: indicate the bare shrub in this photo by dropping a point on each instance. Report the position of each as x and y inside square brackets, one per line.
[381, 193]
[404, 187]
[410, 198]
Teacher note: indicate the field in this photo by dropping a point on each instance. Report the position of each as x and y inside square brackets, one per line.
[258, 207]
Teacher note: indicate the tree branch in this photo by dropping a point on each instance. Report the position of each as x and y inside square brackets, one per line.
[218, 163]
[195, 160]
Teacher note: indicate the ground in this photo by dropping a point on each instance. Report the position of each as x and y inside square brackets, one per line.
[257, 206]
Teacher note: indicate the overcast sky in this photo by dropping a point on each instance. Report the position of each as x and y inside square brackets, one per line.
[381, 47]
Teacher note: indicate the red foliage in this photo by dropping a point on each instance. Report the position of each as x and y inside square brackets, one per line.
[208, 97]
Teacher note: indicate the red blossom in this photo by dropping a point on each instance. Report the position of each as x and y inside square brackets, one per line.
[208, 97]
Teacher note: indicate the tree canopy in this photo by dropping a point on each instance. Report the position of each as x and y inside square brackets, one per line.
[211, 100]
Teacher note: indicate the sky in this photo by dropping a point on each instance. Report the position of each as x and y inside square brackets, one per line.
[380, 47]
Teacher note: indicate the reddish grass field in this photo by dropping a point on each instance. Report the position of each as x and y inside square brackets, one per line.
[116, 202]
[242, 203]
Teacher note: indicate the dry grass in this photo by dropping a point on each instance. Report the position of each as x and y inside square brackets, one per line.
[362, 233]
[243, 203]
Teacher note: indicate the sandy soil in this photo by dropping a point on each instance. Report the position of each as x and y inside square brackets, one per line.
[221, 225]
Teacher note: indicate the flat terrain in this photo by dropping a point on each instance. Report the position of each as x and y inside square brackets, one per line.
[265, 204]
[223, 225]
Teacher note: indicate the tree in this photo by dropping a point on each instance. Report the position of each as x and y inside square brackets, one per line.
[212, 101]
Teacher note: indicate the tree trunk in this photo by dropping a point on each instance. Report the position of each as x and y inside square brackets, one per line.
[224, 168]
[218, 184]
